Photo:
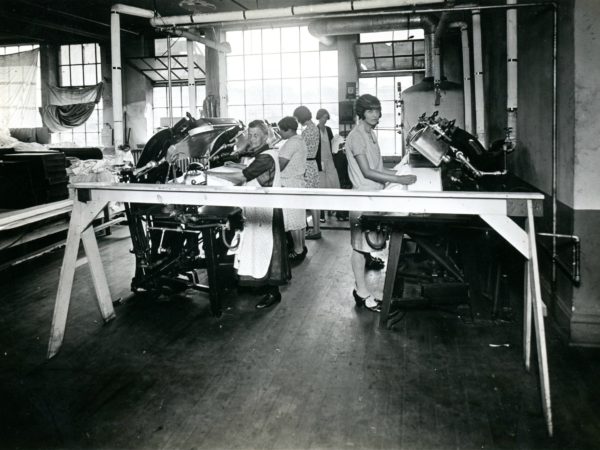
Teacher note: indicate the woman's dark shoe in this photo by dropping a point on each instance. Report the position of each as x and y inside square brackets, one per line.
[313, 236]
[374, 263]
[297, 257]
[269, 299]
[369, 302]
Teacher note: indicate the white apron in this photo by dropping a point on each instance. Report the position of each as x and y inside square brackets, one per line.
[253, 256]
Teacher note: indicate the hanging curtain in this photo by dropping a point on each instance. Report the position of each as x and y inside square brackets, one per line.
[18, 90]
[62, 118]
[61, 96]
[70, 107]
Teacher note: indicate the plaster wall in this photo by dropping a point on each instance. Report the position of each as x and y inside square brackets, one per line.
[137, 93]
[587, 104]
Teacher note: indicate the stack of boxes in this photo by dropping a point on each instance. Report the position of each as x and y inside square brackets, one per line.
[29, 179]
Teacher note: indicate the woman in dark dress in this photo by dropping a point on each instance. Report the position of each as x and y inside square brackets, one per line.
[262, 259]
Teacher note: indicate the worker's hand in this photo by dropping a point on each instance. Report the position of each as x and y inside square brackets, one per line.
[407, 179]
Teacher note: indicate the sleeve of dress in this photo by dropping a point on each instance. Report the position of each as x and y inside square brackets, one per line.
[356, 145]
[287, 149]
[261, 168]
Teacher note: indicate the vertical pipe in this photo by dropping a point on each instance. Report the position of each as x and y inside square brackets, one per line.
[511, 71]
[117, 91]
[554, 142]
[480, 118]
[169, 84]
[429, 54]
[191, 79]
[466, 55]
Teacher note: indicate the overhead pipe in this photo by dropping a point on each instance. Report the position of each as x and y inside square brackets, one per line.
[480, 118]
[291, 11]
[222, 47]
[466, 62]
[325, 29]
[511, 76]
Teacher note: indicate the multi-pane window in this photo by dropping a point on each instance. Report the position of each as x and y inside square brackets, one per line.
[27, 99]
[180, 99]
[79, 66]
[385, 88]
[271, 71]
[179, 91]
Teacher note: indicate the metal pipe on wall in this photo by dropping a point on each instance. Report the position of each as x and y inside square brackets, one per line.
[117, 91]
[169, 83]
[511, 72]
[191, 78]
[480, 119]
[466, 63]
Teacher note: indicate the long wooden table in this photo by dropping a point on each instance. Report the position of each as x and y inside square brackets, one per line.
[494, 208]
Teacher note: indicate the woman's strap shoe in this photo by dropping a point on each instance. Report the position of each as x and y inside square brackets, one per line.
[269, 300]
[369, 302]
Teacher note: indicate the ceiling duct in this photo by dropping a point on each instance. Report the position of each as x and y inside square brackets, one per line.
[325, 29]
[348, 6]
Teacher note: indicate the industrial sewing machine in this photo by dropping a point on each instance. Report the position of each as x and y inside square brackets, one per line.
[175, 244]
[440, 259]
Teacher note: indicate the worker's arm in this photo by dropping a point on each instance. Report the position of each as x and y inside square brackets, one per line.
[379, 176]
[283, 163]
[237, 178]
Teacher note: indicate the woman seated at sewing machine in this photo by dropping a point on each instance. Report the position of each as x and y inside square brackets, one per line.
[261, 259]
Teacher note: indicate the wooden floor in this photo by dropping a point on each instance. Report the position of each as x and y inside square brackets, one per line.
[312, 372]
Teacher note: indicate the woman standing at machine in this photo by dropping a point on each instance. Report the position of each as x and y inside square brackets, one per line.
[310, 134]
[328, 177]
[261, 259]
[292, 159]
[365, 168]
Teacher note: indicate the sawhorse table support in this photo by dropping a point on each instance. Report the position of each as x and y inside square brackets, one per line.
[493, 208]
[524, 241]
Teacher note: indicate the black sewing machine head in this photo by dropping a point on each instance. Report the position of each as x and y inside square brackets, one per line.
[466, 163]
[172, 243]
[203, 141]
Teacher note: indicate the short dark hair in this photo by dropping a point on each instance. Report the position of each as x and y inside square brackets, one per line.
[288, 123]
[302, 113]
[321, 113]
[366, 102]
[261, 125]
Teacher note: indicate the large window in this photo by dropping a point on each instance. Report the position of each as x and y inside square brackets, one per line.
[386, 89]
[21, 96]
[80, 65]
[179, 91]
[271, 71]
[180, 99]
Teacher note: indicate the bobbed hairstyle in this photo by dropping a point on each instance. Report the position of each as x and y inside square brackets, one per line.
[321, 113]
[302, 113]
[288, 123]
[366, 102]
[261, 125]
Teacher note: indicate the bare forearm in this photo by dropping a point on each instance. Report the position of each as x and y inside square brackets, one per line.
[236, 178]
[388, 177]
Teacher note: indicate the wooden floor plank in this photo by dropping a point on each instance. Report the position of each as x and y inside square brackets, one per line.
[313, 372]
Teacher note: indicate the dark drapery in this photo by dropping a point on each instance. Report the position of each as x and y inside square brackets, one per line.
[71, 108]
[62, 118]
